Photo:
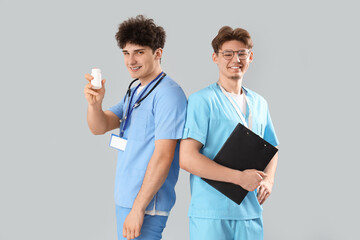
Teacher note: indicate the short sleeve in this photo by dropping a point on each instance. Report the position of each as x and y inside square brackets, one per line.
[169, 113]
[197, 119]
[118, 108]
[269, 133]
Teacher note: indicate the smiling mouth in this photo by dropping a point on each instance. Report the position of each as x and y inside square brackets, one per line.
[135, 68]
[238, 67]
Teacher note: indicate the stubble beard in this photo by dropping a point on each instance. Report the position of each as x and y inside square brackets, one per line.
[235, 78]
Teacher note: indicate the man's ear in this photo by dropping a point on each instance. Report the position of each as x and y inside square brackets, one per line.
[251, 57]
[158, 53]
[215, 58]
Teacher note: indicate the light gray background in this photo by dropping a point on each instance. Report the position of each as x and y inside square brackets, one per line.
[56, 178]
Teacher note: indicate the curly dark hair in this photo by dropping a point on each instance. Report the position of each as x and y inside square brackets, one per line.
[141, 31]
[226, 33]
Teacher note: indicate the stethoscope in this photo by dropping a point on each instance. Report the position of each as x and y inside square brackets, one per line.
[140, 99]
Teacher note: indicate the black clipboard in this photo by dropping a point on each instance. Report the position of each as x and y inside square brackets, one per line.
[243, 150]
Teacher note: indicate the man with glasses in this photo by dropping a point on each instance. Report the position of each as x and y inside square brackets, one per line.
[212, 114]
[151, 118]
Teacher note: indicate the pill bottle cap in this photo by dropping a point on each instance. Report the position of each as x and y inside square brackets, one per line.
[96, 70]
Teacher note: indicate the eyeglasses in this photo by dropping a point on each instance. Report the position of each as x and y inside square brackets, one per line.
[242, 54]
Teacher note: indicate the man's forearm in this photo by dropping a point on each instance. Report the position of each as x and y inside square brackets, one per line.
[96, 119]
[200, 165]
[271, 168]
[155, 176]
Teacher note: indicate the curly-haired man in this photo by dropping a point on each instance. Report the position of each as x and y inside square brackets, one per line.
[151, 118]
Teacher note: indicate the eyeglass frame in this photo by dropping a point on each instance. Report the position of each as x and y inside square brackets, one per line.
[238, 53]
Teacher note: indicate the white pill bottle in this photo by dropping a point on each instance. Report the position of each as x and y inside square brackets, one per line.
[96, 82]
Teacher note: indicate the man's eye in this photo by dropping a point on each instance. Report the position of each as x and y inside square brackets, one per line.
[125, 53]
[140, 52]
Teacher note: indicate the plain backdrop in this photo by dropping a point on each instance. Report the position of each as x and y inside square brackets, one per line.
[57, 179]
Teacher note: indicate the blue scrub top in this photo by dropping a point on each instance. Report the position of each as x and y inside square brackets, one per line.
[161, 115]
[210, 120]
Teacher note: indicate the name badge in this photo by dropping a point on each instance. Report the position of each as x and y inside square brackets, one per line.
[118, 142]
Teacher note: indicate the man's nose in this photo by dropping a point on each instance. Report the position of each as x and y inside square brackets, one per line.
[132, 59]
[236, 57]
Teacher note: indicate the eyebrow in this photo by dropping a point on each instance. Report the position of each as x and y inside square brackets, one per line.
[136, 50]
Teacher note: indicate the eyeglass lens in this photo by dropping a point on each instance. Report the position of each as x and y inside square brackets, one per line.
[229, 54]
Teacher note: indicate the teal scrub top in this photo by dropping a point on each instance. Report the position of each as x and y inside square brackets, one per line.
[161, 115]
[210, 120]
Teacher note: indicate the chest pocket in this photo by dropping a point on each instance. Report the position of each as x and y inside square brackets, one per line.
[138, 125]
[258, 127]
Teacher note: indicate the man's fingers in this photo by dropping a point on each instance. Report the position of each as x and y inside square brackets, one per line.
[263, 194]
[88, 77]
[128, 233]
[92, 92]
[262, 200]
[260, 190]
[259, 178]
[132, 234]
[124, 232]
[88, 86]
[262, 174]
[137, 232]
[260, 194]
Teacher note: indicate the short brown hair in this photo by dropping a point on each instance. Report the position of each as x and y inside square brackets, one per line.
[226, 33]
[141, 31]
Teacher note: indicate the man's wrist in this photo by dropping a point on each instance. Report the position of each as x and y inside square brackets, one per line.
[269, 179]
[236, 177]
[96, 106]
[138, 207]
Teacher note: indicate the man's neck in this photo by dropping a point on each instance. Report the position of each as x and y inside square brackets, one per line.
[150, 77]
[231, 85]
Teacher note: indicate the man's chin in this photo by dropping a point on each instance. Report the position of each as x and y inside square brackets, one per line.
[237, 77]
[133, 75]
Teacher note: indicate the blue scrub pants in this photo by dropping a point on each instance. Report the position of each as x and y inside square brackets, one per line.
[215, 229]
[151, 229]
